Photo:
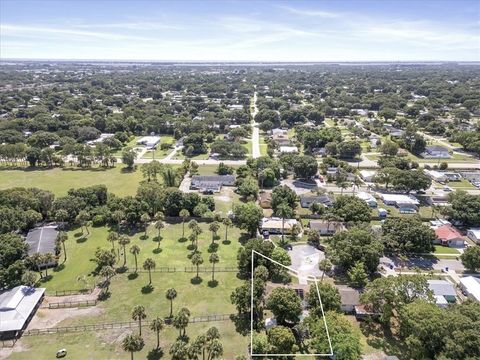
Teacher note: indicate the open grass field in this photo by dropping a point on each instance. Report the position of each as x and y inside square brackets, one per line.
[60, 180]
[199, 295]
[107, 344]
[171, 252]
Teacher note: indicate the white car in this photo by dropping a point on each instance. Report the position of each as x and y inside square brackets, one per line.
[61, 353]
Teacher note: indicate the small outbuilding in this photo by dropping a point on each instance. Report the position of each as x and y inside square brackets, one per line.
[474, 234]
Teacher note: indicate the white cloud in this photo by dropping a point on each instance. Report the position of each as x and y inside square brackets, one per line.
[54, 32]
[311, 12]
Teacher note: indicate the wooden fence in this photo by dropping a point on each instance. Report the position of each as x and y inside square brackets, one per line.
[188, 269]
[69, 292]
[119, 325]
[72, 304]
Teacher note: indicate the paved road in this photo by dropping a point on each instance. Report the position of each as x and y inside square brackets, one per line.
[255, 131]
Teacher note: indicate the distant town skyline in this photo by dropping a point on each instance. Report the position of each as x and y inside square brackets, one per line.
[284, 31]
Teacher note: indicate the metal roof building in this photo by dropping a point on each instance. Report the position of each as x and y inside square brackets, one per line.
[17, 307]
[42, 240]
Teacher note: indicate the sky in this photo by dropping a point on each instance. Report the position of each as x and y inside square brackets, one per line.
[341, 30]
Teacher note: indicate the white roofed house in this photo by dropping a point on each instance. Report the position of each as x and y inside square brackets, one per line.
[368, 198]
[150, 142]
[367, 175]
[470, 285]
[443, 291]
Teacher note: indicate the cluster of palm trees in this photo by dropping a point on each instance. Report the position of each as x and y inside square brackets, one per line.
[196, 231]
[205, 346]
[151, 170]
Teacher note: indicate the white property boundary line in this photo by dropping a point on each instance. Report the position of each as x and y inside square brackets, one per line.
[309, 277]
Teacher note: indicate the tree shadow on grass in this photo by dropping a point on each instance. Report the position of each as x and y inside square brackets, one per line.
[197, 280]
[104, 295]
[59, 268]
[157, 238]
[147, 289]
[213, 283]
[226, 242]
[182, 239]
[191, 247]
[81, 240]
[157, 250]
[213, 248]
[46, 279]
[132, 276]
[78, 234]
[155, 354]
[144, 237]
[121, 270]
[382, 338]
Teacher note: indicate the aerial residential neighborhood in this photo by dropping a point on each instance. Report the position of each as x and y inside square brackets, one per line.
[163, 196]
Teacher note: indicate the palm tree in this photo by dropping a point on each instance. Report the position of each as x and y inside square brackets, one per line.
[82, 219]
[356, 184]
[157, 325]
[325, 266]
[184, 213]
[213, 260]
[197, 260]
[214, 226]
[145, 218]
[284, 211]
[178, 350]
[36, 260]
[196, 231]
[124, 240]
[133, 343]
[181, 320]
[135, 250]
[149, 264]
[169, 177]
[47, 259]
[138, 313]
[107, 272]
[112, 237]
[215, 349]
[227, 222]
[62, 237]
[118, 217]
[171, 294]
[159, 225]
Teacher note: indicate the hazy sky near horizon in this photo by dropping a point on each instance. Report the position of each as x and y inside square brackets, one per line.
[342, 30]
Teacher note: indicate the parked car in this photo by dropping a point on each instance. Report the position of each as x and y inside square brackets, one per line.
[61, 353]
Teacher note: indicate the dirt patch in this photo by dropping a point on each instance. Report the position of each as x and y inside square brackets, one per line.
[71, 298]
[48, 318]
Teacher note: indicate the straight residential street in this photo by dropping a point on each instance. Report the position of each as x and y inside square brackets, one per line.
[255, 131]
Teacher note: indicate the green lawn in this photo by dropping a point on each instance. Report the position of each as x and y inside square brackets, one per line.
[463, 184]
[92, 345]
[172, 252]
[60, 180]
[200, 296]
[439, 249]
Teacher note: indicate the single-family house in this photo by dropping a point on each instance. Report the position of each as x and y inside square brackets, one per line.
[288, 149]
[443, 291]
[150, 142]
[368, 198]
[349, 299]
[399, 200]
[470, 285]
[437, 152]
[474, 234]
[274, 225]
[367, 175]
[449, 236]
[436, 175]
[211, 183]
[307, 200]
[325, 228]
